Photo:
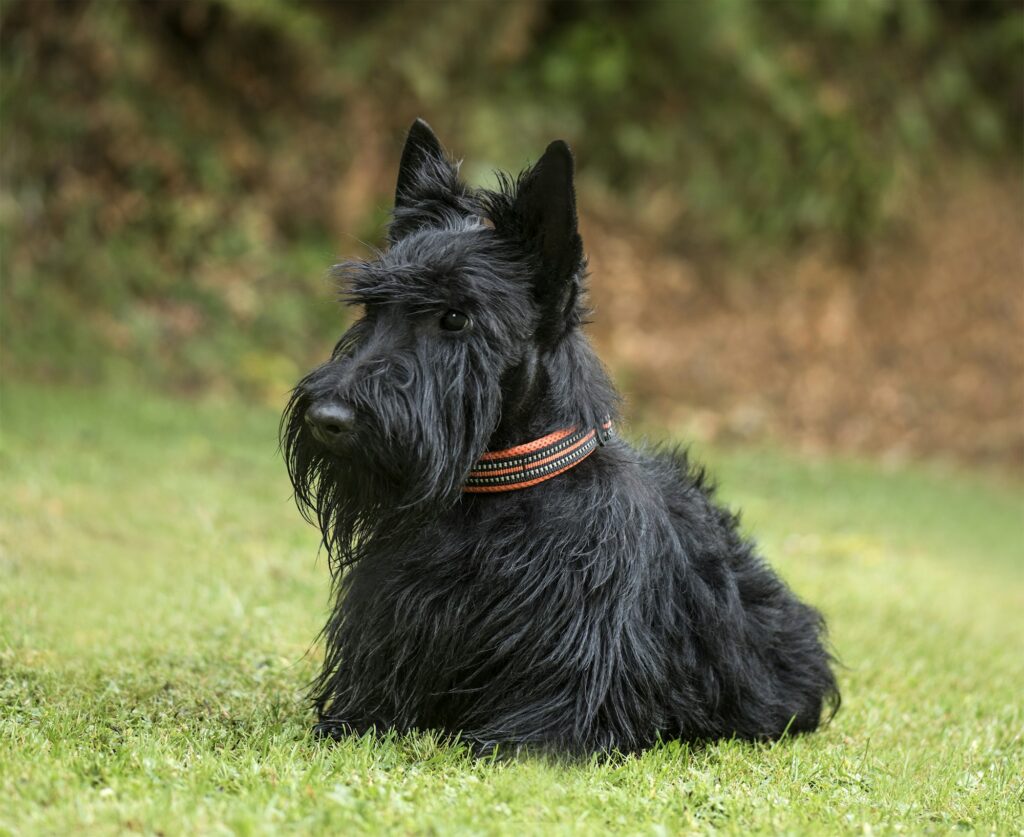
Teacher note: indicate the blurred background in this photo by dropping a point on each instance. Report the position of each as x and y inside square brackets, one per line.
[805, 219]
[805, 223]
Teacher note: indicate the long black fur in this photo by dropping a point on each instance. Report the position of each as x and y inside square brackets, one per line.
[601, 610]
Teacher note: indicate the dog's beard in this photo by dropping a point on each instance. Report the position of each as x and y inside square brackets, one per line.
[407, 460]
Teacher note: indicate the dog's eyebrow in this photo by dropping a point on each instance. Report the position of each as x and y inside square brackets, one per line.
[379, 282]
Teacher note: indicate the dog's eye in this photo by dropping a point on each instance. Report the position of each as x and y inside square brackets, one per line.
[454, 320]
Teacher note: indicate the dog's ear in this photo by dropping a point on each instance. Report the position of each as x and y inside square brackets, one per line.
[422, 154]
[546, 206]
[429, 190]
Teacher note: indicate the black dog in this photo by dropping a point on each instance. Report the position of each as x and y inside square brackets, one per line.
[506, 567]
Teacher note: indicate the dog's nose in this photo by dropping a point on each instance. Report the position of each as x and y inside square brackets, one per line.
[330, 421]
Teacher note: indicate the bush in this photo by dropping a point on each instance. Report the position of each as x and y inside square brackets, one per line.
[176, 176]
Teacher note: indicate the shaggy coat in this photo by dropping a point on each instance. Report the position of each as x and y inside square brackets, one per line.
[603, 609]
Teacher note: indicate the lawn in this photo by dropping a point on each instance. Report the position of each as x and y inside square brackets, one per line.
[159, 595]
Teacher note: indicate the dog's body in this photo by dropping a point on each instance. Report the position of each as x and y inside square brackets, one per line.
[601, 608]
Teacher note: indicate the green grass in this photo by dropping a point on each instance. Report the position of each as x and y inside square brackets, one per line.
[159, 593]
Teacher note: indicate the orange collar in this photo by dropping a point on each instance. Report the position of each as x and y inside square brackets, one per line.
[536, 461]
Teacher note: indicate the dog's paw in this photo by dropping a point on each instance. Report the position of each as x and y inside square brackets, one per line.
[335, 729]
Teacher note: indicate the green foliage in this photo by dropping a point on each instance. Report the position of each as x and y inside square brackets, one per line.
[177, 176]
[777, 121]
[158, 594]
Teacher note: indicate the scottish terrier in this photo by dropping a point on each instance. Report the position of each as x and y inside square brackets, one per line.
[507, 567]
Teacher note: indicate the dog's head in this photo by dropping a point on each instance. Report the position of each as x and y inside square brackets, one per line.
[468, 330]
